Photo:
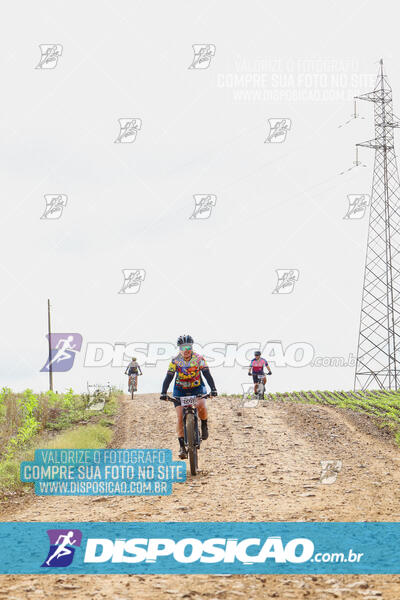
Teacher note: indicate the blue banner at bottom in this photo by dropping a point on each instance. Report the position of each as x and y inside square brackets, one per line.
[209, 548]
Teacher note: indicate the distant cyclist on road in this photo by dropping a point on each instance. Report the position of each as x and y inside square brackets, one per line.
[133, 369]
[188, 368]
[256, 368]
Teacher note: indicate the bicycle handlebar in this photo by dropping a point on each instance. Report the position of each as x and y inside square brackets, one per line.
[260, 374]
[172, 398]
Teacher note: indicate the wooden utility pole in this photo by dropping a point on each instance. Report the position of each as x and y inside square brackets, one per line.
[50, 357]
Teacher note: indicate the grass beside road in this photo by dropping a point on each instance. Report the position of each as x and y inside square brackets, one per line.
[29, 421]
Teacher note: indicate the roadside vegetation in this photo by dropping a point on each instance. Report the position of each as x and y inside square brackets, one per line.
[50, 420]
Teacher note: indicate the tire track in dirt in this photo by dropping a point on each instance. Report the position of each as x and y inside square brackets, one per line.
[259, 464]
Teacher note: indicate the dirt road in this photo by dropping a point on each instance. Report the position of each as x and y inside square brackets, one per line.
[270, 472]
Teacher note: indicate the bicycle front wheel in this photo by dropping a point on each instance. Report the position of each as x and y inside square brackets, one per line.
[191, 438]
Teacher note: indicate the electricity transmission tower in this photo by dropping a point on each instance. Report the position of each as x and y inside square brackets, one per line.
[378, 351]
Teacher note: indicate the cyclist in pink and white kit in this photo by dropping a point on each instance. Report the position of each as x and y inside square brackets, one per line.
[256, 368]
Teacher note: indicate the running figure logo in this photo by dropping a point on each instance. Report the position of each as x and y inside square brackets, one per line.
[55, 204]
[128, 129]
[132, 280]
[278, 129]
[203, 54]
[50, 53]
[63, 349]
[286, 280]
[357, 206]
[203, 204]
[62, 542]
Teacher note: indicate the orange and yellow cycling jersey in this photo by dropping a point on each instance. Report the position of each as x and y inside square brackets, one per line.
[188, 373]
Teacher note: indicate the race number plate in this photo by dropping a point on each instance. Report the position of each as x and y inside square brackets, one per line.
[189, 401]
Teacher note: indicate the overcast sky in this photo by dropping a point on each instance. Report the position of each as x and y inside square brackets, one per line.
[203, 131]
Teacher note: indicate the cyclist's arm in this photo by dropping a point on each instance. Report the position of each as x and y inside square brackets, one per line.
[140, 370]
[267, 365]
[209, 378]
[168, 378]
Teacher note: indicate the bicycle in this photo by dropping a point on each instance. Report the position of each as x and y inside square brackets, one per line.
[132, 384]
[191, 433]
[259, 386]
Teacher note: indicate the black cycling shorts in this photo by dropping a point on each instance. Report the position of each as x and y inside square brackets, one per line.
[256, 375]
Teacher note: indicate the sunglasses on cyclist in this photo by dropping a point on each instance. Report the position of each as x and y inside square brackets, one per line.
[185, 347]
